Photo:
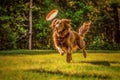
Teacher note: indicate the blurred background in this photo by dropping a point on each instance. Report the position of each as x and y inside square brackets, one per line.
[104, 33]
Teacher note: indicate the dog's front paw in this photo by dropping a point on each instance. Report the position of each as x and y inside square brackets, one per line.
[61, 52]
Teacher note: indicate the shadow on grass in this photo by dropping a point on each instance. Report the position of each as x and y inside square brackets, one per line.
[104, 63]
[27, 52]
[80, 74]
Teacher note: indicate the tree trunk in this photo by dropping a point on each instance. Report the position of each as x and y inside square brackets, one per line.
[30, 26]
[117, 25]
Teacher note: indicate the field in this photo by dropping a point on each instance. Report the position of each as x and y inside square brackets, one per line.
[49, 65]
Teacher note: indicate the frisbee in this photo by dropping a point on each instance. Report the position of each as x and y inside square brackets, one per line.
[51, 15]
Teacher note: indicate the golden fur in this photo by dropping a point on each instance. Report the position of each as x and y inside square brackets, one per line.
[66, 40]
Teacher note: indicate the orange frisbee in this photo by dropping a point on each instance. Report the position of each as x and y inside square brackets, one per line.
[51, 15]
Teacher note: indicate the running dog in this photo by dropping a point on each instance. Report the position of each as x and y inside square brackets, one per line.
[66, 40]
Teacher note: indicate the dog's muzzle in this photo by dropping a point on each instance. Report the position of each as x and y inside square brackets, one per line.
[57, 25]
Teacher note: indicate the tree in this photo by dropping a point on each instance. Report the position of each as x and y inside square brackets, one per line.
[18, 30]
[115, 4]
[30, 26]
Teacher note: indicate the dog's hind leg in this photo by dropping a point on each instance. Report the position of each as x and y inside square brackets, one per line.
[81, 45]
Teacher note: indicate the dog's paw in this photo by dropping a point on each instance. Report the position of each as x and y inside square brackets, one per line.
[61, 52]
[85, 56]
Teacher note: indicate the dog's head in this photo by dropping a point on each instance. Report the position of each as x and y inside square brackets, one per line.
[61, 26]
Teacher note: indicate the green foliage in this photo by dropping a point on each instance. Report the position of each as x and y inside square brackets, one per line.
[8, 38]
[96, 44]
[42, 34]
[43, 28]
[3, 18]
[14, 17]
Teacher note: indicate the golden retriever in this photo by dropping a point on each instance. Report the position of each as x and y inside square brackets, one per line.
[66, 40]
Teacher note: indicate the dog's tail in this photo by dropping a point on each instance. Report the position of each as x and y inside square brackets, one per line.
[82, 31]
[84, 28]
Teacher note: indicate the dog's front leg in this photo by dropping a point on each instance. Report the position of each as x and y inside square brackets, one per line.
[69, 55]
[60, 50]
[57, 44]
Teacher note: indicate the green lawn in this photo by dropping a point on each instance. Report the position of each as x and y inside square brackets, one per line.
[41, 65]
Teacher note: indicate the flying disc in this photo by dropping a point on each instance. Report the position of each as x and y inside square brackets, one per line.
[51, 15]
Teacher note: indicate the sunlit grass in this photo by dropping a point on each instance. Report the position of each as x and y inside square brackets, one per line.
[54, 67]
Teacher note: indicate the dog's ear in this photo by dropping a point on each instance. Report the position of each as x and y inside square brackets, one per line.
[66, 21]
[53, 23]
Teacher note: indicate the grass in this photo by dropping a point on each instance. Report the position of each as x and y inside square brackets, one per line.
[48, 65]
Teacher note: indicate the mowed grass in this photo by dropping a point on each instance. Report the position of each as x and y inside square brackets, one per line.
[52, 66]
